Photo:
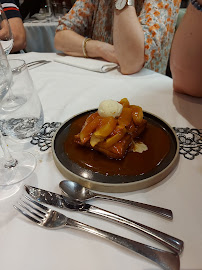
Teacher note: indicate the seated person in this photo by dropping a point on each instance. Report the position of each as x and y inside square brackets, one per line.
[186, 52]
[13, 15]
[135, 36]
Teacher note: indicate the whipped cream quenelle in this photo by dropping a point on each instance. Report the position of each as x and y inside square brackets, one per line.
[110, 108]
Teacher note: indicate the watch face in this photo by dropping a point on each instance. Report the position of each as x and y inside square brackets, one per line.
[120, 4]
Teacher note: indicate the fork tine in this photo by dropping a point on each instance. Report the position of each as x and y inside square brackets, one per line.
[42, 213]
[29, 210]
[36, 203]
[29, 213]
[25, 214]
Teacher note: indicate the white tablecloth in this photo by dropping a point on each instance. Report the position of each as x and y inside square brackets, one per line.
[65, 91]
[40, 35]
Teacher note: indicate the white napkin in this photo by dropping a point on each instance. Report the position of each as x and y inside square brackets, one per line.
[86, 63]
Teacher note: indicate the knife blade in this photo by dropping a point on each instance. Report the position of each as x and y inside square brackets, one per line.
[64, 202]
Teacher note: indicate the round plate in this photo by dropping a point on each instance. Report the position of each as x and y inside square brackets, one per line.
[114, 183]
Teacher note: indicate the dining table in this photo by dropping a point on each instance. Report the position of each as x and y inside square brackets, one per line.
[66, 91]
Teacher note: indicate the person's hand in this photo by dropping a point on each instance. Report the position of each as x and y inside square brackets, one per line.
[108, 52]
[98, 49]
[4, 30]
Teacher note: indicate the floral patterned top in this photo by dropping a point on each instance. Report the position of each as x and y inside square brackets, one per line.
[94, 19]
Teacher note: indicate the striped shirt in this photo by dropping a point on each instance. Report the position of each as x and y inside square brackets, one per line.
[10, 8]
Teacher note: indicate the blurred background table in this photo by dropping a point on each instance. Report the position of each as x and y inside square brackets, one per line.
[40, 35]
[41, 32]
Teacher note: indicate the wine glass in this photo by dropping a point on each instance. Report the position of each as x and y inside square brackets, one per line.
[21, 123]
[26, 120]
[6, 36]
[51, 7]
[5, 75]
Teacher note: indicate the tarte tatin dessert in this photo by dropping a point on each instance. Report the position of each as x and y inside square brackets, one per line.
[113, 128]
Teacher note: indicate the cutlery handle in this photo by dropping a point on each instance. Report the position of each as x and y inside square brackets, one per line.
[169, 241]
[167, 213]
[167, 260]
[39, 62]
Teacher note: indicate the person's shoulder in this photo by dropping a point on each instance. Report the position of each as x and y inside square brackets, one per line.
[10, 8]
[9, 3]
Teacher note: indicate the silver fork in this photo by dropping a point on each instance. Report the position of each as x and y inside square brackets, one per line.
[45, 217]
[38, 63]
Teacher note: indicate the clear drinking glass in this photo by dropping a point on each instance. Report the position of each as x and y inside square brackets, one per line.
[26, 120]
[6, 37]
[21, 123]
[5, 75]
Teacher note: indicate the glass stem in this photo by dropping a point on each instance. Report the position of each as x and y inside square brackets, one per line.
[10, 161]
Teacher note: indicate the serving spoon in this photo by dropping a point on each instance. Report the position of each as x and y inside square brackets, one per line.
[79, 193]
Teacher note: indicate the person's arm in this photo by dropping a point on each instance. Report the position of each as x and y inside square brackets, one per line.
[186, 54]
[13, 15]
[70, 43]
[74, 27]
[19, 34]
[128, 39]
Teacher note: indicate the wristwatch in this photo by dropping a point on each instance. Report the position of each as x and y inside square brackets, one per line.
[120, 4]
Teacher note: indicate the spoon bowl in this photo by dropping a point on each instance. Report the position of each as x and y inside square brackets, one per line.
[75, 191]
[79, 193]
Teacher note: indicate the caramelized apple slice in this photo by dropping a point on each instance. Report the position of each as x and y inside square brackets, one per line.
[95, 140]
[118, 134]
[137, 114]
[88, 128]
[125, 117]
[125, 103]
[90, 118]
[107, 125]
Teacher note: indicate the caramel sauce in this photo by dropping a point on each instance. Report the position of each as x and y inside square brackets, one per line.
[156, 139]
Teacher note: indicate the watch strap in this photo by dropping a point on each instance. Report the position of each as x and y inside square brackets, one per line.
[131, 3]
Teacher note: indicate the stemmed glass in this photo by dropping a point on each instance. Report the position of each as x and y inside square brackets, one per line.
[6, 36]
[5, 74]
[50, 13]
[21, 123]
[28, 118]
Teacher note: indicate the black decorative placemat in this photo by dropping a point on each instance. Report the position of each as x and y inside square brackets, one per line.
[1, 127]
[190, 140]
[44, 138]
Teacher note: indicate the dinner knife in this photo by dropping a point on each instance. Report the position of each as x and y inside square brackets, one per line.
[64, 202]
